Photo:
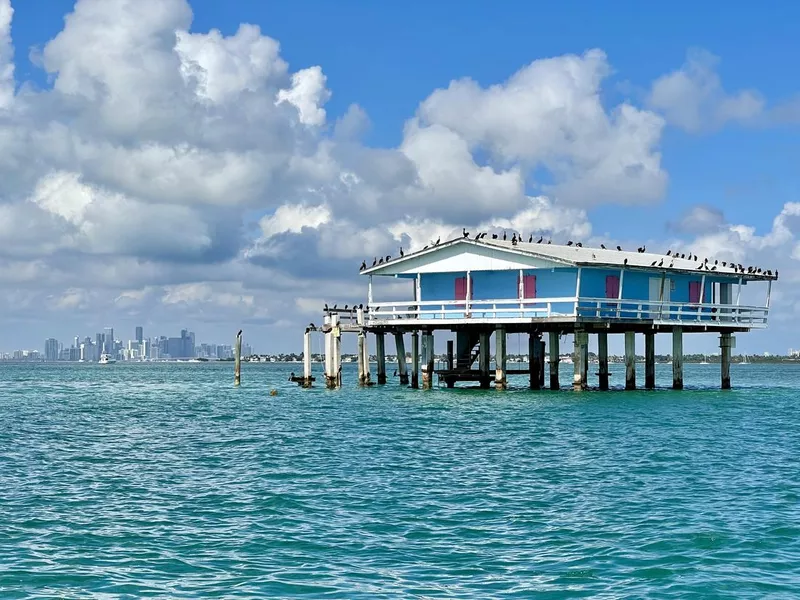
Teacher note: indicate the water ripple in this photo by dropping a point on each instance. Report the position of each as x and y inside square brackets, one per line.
[163, 481]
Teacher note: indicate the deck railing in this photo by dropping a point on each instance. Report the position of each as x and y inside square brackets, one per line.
[609, 309]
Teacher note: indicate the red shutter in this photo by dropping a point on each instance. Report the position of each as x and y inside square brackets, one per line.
[529, 286]
[461, 288]
[694, 292]
[612, 286]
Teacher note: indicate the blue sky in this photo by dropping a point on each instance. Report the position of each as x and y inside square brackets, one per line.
[389, 58]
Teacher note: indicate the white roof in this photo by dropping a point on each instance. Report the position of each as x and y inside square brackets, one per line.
[568, 256]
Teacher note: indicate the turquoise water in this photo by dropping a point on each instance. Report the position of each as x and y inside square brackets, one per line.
[131, 481]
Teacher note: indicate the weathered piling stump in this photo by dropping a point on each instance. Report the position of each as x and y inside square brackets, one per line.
[630, 360]
[602, 352]
[677, 359]
[500, 359]
[402, 366]
[554, 360]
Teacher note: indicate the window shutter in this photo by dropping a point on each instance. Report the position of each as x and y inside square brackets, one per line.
[694, 292]
[461, 288]
[529, 286]
[612, 286]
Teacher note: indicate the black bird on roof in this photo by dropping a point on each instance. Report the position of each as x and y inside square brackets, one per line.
[579, 245]
[769, 273]
[464, 232]
[669, 252]
[380, 262]
[363, 265]
[438, 240]
[541, 239]
[625, 262]
[530, 239]
[345, 307]
[401, 252]
[312, 326]
[714, 268]
[388, 257]
[661, 264]
[494, 236]
[326, 307]
[334, 306]
[374, 261]
[682, 255]
[619, 248]
[776, 273]
[569, 243]
[653, 264]
[514, 238]
[426, 247]
[602, 246]
[504, 235]
[700, 268]
[716, 262]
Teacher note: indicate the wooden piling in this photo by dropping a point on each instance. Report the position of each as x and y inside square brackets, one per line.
[650, 360]
[402, 367]
[500, 357]
[362, 368]
[450, 356]
[483, 359]
[585, 361]
[630, 360]
[534, 360]
[415, 360]
[380, 351]
[554, 359]
[237, 354]
[602, 352]
[428, 359]
[578, 380]
[725, 343]
[542, 353]
[307, 378]
[677, 358]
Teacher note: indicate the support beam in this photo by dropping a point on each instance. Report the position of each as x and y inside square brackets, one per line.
[534, 360]
[630, 360]
[333, 353]
[450, 356]
[402, 367]
[650, 360]
[585, 361]
[483, 359]
[725, 343]
[542, 353]
[500, 380]
[307, 378]
[380, 351]
[554, 353]
[677, 358]
[415, 360]
[578, 381]
[363, 350]
[428, 360]
[602, 353]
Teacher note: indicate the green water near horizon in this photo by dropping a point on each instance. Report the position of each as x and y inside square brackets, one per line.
[164, 481]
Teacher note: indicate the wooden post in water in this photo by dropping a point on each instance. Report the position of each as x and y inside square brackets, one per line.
[534, 360]
[428, 355]
[500, 359]
[484, 359]
[650, 360]
[677, 358]
[307, 378]
[542, 353]
[415, 360]
[630, 360]
[402, 367]
[380, 351]
[237, 357]
[451, 364]
[578, 380]
[554, 358]
[363, 350]
[602, 351]
[585, 361]
[725, 343]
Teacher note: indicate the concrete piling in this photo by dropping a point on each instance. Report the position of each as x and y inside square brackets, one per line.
[649, 360]
[415, 360]
[677, 359]
[402, 366]
[484, 358]
[725, 344]
[428, 355]
[554, 360]
[630, 360]
[380, 351]
[500, 359]
[534, 360]
[602, 352]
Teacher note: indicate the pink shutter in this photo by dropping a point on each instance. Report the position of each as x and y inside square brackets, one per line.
[694, 292]
[612, 286]
[529, 286]
[461, 288]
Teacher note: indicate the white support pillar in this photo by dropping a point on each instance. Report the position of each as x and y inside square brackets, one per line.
[630, 360]
[469, 293]
[619, 294]
[307, 379]
[500, 380]
[369, 291]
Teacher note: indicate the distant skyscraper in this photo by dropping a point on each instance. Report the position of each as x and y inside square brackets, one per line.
[139, 334]
[51, 349]
[109, 349]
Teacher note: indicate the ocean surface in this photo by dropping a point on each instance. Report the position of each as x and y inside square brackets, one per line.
[164, 481]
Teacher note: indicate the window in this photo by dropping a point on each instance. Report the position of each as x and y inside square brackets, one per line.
[612, 286]
[694, 292]
[528, 286]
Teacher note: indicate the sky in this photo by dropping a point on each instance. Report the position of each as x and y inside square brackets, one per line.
[222, 165]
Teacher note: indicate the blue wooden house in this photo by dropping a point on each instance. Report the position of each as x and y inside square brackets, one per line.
[475, 286]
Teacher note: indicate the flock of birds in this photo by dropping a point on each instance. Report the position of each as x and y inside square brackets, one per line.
[704, 264]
